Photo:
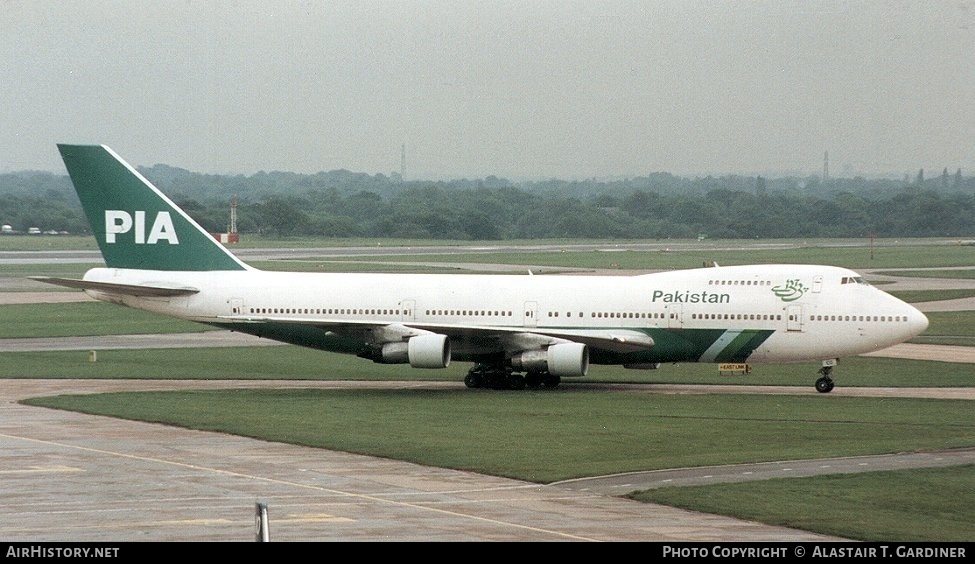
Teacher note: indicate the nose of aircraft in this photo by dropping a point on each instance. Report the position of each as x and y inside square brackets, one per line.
[917, 321]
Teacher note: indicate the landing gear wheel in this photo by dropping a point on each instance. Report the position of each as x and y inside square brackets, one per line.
[550, 381]
[498, 376]
[516, 382]
[497, 379]
[824, 385]
[473, 380]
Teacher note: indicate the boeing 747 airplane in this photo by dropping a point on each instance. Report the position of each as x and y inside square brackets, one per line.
[518, 330]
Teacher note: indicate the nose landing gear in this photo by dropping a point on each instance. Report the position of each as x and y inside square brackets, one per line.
[824, 384]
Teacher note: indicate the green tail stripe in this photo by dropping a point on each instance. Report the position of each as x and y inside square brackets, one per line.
[135, 224]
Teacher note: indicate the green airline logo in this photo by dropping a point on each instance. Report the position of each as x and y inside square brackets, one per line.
[791, 291]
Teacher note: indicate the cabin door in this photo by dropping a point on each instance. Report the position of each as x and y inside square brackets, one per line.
[794, 318]
[407, 308]
[531, 314]
[675, 316]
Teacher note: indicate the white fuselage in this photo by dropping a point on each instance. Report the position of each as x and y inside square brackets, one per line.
[760, 313]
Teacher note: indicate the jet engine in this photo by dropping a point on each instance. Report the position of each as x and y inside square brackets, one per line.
[564, 359]
[422, 351]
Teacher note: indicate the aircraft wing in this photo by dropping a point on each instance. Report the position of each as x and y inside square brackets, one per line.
[155, 290]
[509, 338]
[620, 341]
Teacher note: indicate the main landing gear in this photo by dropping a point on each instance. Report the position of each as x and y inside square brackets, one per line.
[824, 384]
[501, 377]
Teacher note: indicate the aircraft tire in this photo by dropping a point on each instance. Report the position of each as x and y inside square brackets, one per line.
[824, 385]
[516, 382]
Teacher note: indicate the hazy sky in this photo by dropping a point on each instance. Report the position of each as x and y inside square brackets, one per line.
[520, 89]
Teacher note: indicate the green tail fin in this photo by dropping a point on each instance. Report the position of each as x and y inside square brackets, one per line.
[135, 224]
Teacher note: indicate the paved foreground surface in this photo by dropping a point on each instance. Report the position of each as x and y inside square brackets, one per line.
[74, 477]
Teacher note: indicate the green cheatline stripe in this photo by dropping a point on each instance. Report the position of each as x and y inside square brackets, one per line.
[691, 345]
[742, 345]
[720, 344]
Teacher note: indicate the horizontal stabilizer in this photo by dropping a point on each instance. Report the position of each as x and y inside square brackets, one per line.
[139, 290]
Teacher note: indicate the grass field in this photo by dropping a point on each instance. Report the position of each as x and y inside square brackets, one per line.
[70, 270]
[85, 318]
[545, 436]
[854, 253]
[967, 273]
[256, 241]
[921, 296]
[573, 431]
[924, 505]
[850, 257]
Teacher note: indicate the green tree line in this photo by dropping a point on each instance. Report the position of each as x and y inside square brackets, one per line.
[347, 204]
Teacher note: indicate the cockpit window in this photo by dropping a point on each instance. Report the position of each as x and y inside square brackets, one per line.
[853, 280]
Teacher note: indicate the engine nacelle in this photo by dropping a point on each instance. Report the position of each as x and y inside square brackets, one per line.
[422, 351]
[429, 351]
[565, 359]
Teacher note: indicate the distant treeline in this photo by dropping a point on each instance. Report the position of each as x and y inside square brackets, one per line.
[347, 204]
